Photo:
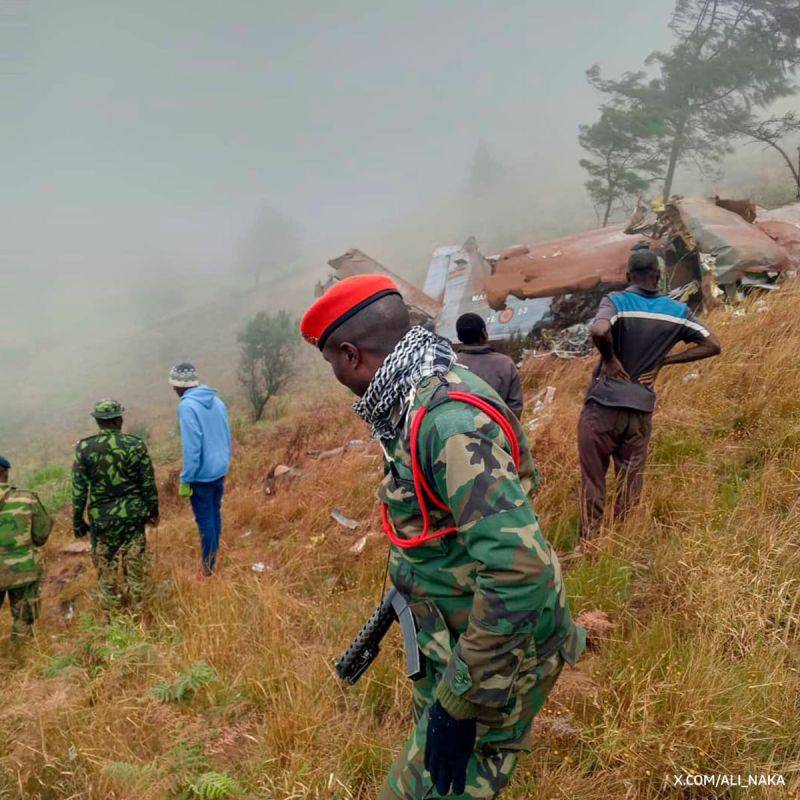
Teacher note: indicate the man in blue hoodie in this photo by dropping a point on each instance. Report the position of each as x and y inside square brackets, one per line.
[206, 439]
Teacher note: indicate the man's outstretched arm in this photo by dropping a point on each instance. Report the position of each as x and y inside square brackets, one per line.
[706, 347]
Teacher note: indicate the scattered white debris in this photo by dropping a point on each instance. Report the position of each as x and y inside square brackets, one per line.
[247, 533]
[357, 443]
[739, 312]
[67, 608]
[321, 454]
[691, 376]
[542, 406]
[279, 475]
[358, 548]
[347, 522]
[259, 566]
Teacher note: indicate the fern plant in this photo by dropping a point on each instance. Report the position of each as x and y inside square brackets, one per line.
[213, 786]
[171, 775]
[119, 640]
[187, 683]
[58, 663]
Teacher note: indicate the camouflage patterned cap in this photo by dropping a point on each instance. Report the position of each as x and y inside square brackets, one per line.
[108, 409]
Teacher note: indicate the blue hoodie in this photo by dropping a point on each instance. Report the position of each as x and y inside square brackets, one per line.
[205, 434]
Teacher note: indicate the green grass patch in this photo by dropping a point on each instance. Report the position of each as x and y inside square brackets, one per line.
[675, 447]
[603, 583]
[53, 485]
[563, 531]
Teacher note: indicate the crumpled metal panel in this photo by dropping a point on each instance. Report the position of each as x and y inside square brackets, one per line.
[436, 278]
[789, 213]
[576, 263]
[465, 275]
[354, 262]
[738, 246]
[787, 235]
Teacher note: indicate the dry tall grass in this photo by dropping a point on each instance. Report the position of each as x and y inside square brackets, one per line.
[700, 672]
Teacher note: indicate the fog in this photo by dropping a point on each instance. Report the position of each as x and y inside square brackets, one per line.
[142, 141]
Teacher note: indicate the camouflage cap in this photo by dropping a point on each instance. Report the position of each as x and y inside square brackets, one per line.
[108, 409]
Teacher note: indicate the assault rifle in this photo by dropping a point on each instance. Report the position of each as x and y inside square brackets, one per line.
[364, 649]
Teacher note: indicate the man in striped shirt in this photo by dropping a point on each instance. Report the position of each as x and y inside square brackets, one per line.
[634, 331]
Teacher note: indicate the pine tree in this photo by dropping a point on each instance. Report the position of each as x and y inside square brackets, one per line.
[729, 57]
[624, 157]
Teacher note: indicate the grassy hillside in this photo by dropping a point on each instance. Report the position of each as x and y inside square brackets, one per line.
[226, 688]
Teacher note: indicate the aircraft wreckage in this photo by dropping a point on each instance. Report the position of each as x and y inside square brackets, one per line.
[714, 250]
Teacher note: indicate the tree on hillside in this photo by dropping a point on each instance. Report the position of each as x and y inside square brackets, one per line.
[773, 133]
[729, 57]
[268, 345]
[625, 157]
[272, 243]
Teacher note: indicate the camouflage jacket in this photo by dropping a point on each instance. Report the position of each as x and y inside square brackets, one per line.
[489, 601]
[113, 472]
[24, 526]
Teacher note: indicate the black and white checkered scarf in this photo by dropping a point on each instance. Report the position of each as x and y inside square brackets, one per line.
[418, 355]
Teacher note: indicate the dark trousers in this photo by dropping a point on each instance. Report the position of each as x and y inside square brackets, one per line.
[206, 502]
[605, 433]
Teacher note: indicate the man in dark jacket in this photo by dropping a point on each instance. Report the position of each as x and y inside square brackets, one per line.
[634, 331]
[496, 369]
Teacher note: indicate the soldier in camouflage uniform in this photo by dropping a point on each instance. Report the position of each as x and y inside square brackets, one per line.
[493, 620]
[113, 481]
[24, 526]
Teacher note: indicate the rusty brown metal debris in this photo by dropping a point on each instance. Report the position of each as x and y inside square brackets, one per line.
[354, 262]
[576, 263]
[737, 246]
[746, 209]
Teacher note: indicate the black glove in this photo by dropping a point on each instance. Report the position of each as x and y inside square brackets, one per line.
[80, 529]
[448, 748]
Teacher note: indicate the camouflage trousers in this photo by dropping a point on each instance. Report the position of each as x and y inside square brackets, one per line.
[24, 602]
[495, 756]
[120, 549]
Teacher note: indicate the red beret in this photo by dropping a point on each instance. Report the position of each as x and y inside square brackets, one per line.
[343, 300]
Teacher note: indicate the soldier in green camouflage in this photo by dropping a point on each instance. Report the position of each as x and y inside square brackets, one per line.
[113, 482]
[24, 526]
[493, 620]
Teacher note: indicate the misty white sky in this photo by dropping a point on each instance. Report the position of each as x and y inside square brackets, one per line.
[156, 128]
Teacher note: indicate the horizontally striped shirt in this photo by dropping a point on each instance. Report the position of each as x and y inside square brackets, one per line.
[645, 326]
